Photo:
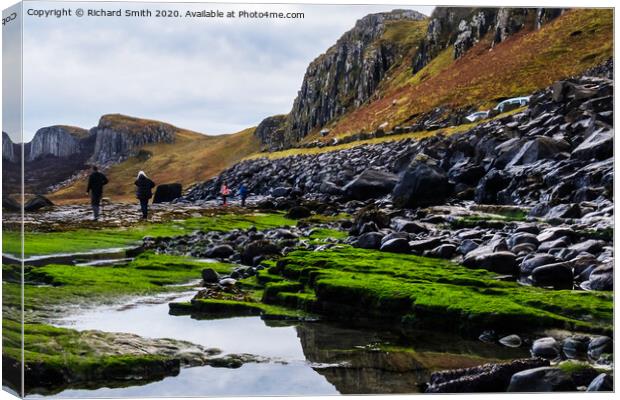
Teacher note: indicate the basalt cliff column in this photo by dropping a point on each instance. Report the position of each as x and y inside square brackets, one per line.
[464, 27]
[345, 76]
[120, 137]
[59, 141]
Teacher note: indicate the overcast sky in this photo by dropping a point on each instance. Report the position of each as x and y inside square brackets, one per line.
[209, 75]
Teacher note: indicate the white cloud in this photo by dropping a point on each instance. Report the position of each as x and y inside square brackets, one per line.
[212, 76]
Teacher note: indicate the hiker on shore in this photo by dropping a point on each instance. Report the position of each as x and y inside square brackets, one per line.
[96, 182]
[243, 193]
[144, 187]
[224, 192]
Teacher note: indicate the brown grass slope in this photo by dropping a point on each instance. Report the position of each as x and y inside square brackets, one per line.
[192, 158]
[524, 63]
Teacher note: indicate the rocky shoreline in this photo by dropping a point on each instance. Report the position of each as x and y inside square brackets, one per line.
[552, 163]
[528, 196]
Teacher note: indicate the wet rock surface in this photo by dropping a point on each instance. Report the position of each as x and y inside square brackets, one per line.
[484, 378]
[155, 359]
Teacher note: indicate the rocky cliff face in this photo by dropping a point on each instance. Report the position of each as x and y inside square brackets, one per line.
[8, 152]
[345, 76]
[464, 27]
[119, 137]
[350, 72]
[59, 141]
[271, 131]
[558, 151]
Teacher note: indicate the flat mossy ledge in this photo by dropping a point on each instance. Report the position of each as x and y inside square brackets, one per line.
[53, 290]
[217, 308]
[76, 239]
[56, 374]
[58, 357]
[426, 292]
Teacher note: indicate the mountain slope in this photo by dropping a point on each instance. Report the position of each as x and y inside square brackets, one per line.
[525, 62]
[191, 158]
[347, 74]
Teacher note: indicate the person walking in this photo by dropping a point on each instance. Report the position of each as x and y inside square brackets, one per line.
[243, 193]
[144, 187]
[224, 192]
[96, 182]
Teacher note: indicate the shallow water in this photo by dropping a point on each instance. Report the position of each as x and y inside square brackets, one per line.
[231, 335]
[309, 358]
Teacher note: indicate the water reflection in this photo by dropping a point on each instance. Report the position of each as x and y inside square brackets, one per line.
[310, 358]
[250, 380]
[381, 361]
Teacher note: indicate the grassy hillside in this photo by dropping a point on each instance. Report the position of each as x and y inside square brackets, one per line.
[525, 62]
[192, 158]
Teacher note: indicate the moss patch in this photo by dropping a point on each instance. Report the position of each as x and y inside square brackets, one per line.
[495, 219]
[56, 357]
[431, 292]
[53, 287]
[228, 308]
[80, 240]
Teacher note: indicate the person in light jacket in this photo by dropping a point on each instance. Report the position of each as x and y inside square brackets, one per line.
[144, 188]
[224, 192]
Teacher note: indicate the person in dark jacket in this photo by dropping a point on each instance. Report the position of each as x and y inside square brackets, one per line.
[96, 182]
[144, 187]
[243, 193]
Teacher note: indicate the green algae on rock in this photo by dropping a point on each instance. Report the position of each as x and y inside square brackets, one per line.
[80, 240]
[50, 288]
[431, 292]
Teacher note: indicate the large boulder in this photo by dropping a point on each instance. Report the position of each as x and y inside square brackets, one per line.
[558, 275]
[602, 383]
[369, 240]
[546, 347]
[600, 345]
[537, 260]
[396, 245]
[37, 202]
[210, 276]
[10, 205]
[602, 278]
[258, 248]
[491, 184]
[220, 251]
[575, 346]
[165, 193]
[370, 184]
[501, 262]
[538, 149]
[281, 191]
[298, 212]
[422, 184]
[542, 379]
[599, 145]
